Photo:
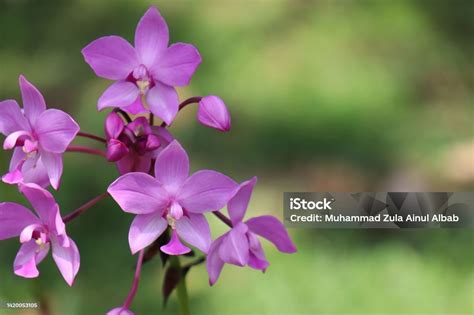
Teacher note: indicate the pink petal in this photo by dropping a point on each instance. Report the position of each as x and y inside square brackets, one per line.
[29, 255]
[214, 263]
[151, 36]
[67, 259]
[172, 166]
[116, 150]
[175, 247]
[53, 163]
[27, 233]
[235, 247]
[41, 200]
[257, 258]
[273, 230]
[13, 177]
[176, 65]
[14, 218]
[206, 191]
[12, 139]
[163, 102]
[33, 171]
[33, 101]
[194, 229]
[238, 204]
[213, 113]
[17, 158]
[138, 193]
[111, 57]
[113, 125]
[55, 130]
[120, 94]
[11, 118]
[136, 107]
[145, 229]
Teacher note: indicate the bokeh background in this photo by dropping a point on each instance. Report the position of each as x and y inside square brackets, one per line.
[325, 96]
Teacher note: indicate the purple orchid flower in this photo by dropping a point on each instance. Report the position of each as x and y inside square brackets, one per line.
[39, 137]
[213, 113]
[38, 234]
[146, 74]
[240, 246]
[133, 146]
[172, 198]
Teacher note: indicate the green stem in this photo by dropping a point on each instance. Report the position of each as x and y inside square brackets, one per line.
[183, 300]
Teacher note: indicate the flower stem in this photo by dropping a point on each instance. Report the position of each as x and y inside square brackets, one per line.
[223, 218]
[136, 280]
[183, 300]
[74, 214]
[76, 148]
[191, 100]
[91, 136]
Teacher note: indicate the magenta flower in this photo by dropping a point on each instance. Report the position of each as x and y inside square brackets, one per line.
[146, 74]
[172, 198]
[241, 246]
[39, 137]
[38, 233]
[133, 146]
[213, 113]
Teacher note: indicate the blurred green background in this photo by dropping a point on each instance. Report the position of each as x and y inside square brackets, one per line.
[324, 95]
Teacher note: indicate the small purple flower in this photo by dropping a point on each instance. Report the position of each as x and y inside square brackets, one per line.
[213, 113]
[172, 198]
[133, 146]
[120, 311]
[39, 137]
[146, 74]
[240, 246]
[38, 234]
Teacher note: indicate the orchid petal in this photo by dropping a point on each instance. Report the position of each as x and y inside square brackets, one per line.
[111, 57]
[11, 118]
[55, 130]
[12, 139]
[120, 94]
[235, 247]
[120, 311]
[29, 255]
[206, 191]
[257, 258]
[34, 171]
[163, 102]
[67, 259]
[174, 246]
[273, 230]
[53, 163]
[33, 101]
[176, 65]
[151, 36]
[113, 125]
[214, 263]
[14, 218]
[138, 193]
[172, 166]
[145, 229]
[41, 200]
[195, 230]
[239, 203]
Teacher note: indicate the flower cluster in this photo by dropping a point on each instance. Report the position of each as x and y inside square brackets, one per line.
[155, 184]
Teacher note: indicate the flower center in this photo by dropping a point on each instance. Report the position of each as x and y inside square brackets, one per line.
[142, 79]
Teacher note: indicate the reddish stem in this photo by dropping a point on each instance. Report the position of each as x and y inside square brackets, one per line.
[91, 136]
[136, 280]
[74, 214]
[191, 100]
[223, 218]
[76, 148]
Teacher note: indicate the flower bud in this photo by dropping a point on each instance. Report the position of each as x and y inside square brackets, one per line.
[116, 150]
[213, 113]
[113, 125]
